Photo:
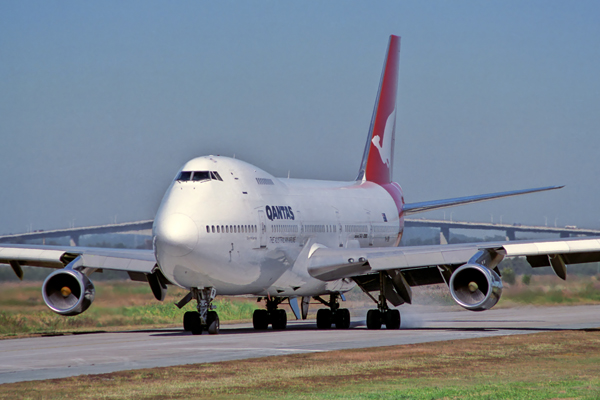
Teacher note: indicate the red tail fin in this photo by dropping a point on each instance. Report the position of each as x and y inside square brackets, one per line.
[378, 158]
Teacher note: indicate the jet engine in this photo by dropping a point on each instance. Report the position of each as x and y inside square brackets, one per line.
[475, 287]
[68, 292]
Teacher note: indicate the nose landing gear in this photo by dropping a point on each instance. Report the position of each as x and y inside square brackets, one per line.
[205, 319]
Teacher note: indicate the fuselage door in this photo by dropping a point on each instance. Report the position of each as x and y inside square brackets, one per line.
[262, 228]
[370, 229]
[301, 236]
[340, 234]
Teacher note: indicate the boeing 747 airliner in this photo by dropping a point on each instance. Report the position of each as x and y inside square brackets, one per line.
[226, 227]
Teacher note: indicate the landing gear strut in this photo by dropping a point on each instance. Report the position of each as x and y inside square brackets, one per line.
[272, 315]
[334, 315]
[205, 319]
[383, 315]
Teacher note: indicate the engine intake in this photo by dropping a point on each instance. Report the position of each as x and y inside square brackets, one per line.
[475, 287]
[68, 292]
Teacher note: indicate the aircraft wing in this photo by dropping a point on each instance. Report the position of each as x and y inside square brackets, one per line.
[413, 208]
[422, 265]
[134, 262]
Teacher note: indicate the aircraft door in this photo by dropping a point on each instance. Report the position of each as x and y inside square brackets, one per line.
[340, 235]
[301, 236]
[262, 229]
[370, 229]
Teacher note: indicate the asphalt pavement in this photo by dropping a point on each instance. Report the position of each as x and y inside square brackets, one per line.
[101, 352]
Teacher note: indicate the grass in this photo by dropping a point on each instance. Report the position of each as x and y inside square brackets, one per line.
[117, 305]
[552, 365]
[550, 290]
[126, 304]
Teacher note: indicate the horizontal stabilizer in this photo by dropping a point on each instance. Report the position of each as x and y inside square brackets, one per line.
[413, 208]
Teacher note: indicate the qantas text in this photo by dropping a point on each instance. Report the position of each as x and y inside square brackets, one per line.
[279, 212]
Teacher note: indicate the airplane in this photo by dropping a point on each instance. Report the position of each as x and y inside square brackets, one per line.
[225, 227]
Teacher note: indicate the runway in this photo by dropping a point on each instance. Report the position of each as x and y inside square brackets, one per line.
[102, 352]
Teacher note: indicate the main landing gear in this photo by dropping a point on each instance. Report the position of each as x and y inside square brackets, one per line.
[333, 315]
[205, 319]
[261, 319]
[383, 315]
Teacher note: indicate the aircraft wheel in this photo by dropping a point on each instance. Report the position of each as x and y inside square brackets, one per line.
[342, 318]
[324, 318]
[213, 323]
[279, 320]
[392, 319]
[260, 320]
[196, 326]
[373, 319]
[188, 319]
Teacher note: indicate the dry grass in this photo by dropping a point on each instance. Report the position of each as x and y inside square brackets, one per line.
[117, 305]
[126, 304]
[538, 366]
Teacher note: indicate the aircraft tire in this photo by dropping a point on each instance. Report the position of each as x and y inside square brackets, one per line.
[260, 320]
[373, 319]
[213, 323]
[279, 320]
[188, 319]
[196, 326]
[324, 318]
[392, 319]
[342, 318]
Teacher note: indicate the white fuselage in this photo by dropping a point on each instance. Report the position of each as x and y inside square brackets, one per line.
[245, 232]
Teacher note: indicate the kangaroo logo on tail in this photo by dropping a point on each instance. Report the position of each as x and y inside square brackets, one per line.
[385, 148]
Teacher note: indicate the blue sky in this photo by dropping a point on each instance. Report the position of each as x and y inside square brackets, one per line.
[102, 102]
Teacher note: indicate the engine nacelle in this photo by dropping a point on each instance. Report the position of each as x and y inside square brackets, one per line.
[68, 292]
[475, 287]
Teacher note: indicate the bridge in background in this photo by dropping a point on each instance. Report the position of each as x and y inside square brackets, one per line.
[145, 227]
[509, 230]
[142, 227]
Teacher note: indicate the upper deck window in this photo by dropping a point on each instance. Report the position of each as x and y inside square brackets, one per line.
[198, 176]
[264, 181]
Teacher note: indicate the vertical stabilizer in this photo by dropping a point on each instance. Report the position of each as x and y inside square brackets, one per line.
[378, 158]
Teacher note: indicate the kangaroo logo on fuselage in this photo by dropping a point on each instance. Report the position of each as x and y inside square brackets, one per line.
[385, 148]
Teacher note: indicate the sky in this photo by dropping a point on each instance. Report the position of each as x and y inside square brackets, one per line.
[102, 102]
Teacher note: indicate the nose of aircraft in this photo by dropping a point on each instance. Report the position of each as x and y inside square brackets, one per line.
[176, 235]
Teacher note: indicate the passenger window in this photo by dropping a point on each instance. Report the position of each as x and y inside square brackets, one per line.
[218, 229]
[184, 176]
[201, 176]
[213, 229]
[207, 229]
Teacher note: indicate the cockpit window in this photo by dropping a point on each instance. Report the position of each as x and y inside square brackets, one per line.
[184, 176]
[198, 176]
[201, 176]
